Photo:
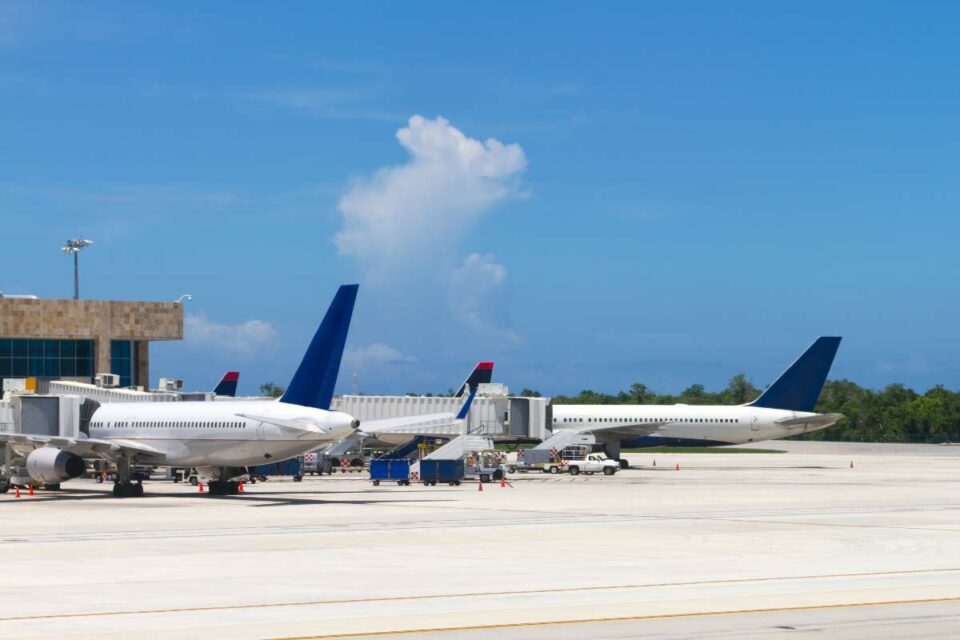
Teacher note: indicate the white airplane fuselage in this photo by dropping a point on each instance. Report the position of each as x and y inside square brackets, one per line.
[702, 425]
[192, 434]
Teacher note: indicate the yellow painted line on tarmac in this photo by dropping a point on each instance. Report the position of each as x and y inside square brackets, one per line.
[475, 594]
[660, 616]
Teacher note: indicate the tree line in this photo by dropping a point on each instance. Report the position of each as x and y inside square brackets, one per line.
[892, 414]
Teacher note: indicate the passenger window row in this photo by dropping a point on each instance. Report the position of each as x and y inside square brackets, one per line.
[168, 424]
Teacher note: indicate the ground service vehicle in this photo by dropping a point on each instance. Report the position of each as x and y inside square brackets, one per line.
[592, 463]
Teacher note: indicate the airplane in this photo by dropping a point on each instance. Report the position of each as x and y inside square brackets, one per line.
[392, 432]
[228, 384]
[785, 408]
[219, 439]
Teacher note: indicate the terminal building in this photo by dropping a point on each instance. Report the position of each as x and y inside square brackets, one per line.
[76, 339]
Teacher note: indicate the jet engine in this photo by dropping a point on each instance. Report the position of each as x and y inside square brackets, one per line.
[50, 465]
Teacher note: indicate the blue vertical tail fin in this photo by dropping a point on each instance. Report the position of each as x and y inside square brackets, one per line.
[316, 377]
[798, 388]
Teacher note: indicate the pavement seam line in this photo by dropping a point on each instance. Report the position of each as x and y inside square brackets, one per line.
[478, 594]
[660, 616]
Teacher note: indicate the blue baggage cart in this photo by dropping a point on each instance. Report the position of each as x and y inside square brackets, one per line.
[292, 467]
[434, 471]
[387, 469]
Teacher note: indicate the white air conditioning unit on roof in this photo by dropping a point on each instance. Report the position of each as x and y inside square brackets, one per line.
[107, 380]
[171, 384]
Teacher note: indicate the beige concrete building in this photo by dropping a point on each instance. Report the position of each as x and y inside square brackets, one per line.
[76, 339]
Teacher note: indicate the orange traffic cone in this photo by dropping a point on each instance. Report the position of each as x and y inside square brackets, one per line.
[480, 486]
[654, 463]
[240, 488]
[851, 464]
[201, 487]
[678, 467]
[503, 482]
[31, 489]
[18, 492]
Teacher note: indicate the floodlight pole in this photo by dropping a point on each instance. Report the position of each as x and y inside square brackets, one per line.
[74, 246]
[76, 275]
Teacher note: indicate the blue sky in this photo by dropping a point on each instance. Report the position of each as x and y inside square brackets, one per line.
[674, 193]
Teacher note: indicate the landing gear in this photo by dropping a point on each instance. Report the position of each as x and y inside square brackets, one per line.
[4, 485]
[223, 488]
[52, 486]
[128, 489]
[123, 487]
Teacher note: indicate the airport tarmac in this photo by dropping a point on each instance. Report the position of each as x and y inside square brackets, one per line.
[731, 545]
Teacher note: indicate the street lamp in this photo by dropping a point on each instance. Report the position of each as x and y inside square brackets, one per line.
[184, 298]
[74, 246]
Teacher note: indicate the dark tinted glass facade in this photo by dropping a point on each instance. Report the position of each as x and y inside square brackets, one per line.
[20, 357]
[122, 361]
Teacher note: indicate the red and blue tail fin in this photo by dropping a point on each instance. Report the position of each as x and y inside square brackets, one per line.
[316, 377]
[481, 374]
[228, 384]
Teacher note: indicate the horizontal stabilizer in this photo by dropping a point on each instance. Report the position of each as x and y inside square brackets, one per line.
[384, 425]
[299, 428]
[817, 420]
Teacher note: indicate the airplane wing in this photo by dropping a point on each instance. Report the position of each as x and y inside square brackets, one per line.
[23, 443]
[373, 427]
[623, 431]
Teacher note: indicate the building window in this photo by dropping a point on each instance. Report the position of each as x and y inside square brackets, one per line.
[20, 358]
[121, 361]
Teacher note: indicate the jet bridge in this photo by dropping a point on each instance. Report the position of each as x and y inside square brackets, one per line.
[505, 419]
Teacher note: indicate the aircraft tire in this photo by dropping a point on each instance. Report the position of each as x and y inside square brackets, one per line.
[376, 483]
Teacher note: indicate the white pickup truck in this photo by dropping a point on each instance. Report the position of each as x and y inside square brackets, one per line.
[592, 463]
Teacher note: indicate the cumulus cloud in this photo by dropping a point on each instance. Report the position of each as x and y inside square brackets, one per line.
[242, 339]
[377, 353]
[480, 296]
[402, 213]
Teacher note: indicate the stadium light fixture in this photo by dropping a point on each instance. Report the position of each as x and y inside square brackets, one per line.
[74, 246]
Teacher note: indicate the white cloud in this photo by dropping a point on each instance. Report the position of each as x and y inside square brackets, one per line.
[480, 296]
[377, 353]
[408, 214]
[242, 339]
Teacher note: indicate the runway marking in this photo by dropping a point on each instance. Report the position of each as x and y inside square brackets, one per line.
[476, 594]
[660, 616]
